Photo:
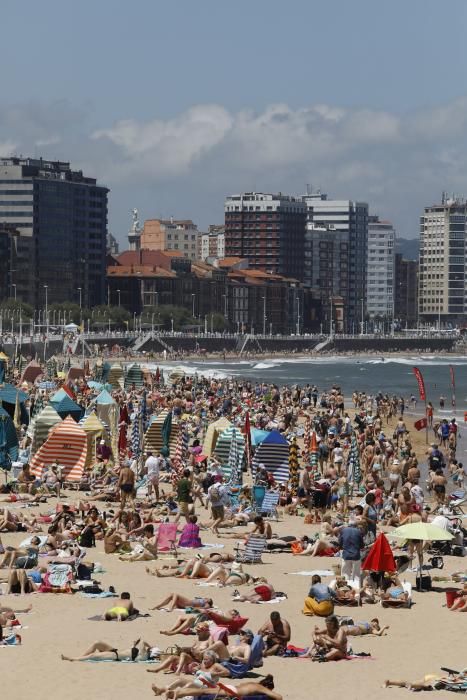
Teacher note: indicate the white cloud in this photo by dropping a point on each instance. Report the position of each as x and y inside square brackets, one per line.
[8, 148]
[187, 163]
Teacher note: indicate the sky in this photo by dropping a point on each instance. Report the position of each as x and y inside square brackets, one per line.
[173, 105]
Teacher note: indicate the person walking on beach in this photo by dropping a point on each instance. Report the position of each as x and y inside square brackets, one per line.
[351, 544]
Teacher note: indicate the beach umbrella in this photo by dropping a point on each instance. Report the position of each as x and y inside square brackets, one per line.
[314, 454]
[274, 454]
[307, 434]
[42, 423]
[380, 556]
[2, 370]
[354, 472]
[234, 461]
[136, 433]
[166, 430]
[257, 436]
[247, 431]
[424, 532]
[293, 466]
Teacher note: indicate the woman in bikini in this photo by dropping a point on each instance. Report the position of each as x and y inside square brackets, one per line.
[175, 600]
[102, 651]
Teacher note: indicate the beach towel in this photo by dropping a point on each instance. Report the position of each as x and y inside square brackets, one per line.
[240, 669]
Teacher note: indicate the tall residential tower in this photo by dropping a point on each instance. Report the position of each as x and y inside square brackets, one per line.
[336, 251]
[61, 218]
[442, 287]
[268, 230]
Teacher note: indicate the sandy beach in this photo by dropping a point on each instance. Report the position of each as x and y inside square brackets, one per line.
[420, 640]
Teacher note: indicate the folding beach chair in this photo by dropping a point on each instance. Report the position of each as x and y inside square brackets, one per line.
[252, 551]
[269, 505]
[458, 499]
[166, 538]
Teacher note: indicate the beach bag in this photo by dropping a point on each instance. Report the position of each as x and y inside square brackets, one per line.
[296, 547]
[423, 583]
[87, 538]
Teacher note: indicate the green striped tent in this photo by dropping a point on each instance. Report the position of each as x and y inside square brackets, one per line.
[134, 376]
[153, 438]
[43, 421]
[223, 451]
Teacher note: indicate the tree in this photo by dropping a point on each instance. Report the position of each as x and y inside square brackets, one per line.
[12, 307]
[218, 322]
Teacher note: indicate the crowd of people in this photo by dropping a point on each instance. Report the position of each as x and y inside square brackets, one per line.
[352, 474]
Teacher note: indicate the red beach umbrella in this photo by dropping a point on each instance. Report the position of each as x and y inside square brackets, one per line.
[380, 556]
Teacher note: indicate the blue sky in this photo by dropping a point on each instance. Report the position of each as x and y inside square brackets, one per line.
[175, 104]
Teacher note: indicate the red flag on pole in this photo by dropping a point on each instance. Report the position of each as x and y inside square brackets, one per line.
[421, 383]
[453, 385]
[420, 424]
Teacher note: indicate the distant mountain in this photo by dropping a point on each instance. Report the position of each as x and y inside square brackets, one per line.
[409, 247]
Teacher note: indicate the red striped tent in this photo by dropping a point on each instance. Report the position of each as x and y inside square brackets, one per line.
[65, 446]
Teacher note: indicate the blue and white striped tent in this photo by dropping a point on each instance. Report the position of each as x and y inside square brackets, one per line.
[273, 452]
[229, 458]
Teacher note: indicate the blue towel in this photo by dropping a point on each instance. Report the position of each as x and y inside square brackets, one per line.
[240, 669]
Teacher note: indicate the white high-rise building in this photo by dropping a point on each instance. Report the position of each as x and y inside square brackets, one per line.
[442, 286]
[335, 250]
[380, 269]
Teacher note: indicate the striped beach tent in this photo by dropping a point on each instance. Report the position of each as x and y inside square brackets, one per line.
[274, 454]
[134, 376]
[230, 456]
[31, 372]
[104, 403]
[95, 430]
[212, 435]
[153, 439]
[66, 446]
[43, 422]
[354, 472]
[65, 406]
[9, 436]
[116, 376]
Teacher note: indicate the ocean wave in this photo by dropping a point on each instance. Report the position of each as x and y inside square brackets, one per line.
[264, 365]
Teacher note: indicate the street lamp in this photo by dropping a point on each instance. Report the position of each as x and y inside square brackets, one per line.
[264, 315]
[46, 287]
[172, 323]
[80, 297]
[14, 287]
[363, 320]
[298, 316]
[118, 292]
[193, 305]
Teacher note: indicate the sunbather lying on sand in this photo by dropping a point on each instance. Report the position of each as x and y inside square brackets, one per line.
[264, 687]
[360, 629]
[102, 651]
[175, 600]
